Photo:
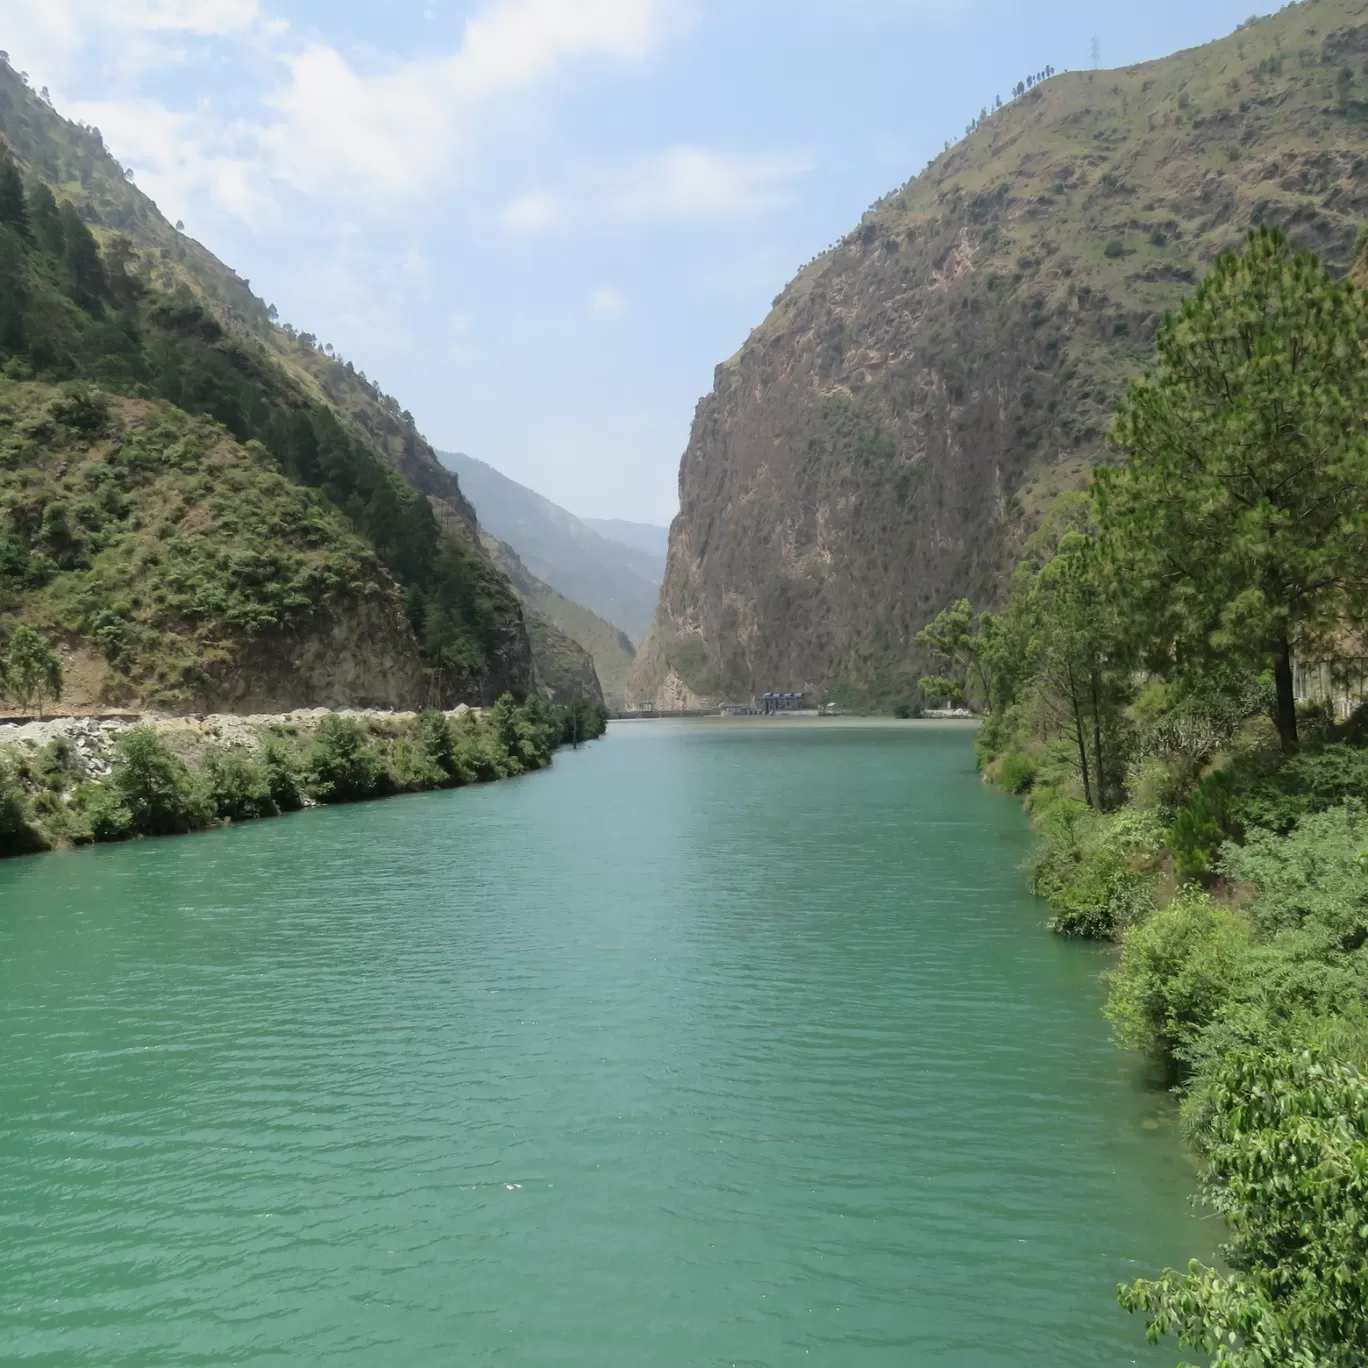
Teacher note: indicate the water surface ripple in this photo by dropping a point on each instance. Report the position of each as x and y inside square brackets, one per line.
[716, 1045]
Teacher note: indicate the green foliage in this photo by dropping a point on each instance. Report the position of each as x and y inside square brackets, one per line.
[1317, 874]
[154, 787]
[33, 671]
[17, 835]
[439, 746]
[342, 766]
[960, 638]
[282, 776]
[102, 809]
[581, 719]
[1178, 970]
[1202, 826]
[239, 787]
[1017, 773]
[1278, 796]
[948, 693]
[1094, 868]
[1286, 1144]
[1239, 527]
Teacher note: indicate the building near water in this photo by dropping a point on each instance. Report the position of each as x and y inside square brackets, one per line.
[772, 703]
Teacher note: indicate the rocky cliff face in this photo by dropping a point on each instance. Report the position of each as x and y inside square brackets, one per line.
[885, 439]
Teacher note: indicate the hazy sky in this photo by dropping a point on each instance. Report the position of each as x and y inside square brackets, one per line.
[541, 223]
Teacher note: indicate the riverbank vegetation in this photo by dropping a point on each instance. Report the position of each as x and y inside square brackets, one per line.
[170, 778]
[1173, 688]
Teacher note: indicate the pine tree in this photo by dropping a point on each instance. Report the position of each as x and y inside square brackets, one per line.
[13, 204]
[1240, 526]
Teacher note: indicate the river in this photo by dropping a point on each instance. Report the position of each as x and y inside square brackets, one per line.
[716, 1044]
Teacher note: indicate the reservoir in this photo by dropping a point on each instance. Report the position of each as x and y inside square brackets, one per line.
[720, 1043]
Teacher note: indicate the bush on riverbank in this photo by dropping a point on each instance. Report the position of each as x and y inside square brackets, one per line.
[165, 781]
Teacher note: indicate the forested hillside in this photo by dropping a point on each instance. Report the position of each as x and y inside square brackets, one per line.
[887, 438]
[158, 412]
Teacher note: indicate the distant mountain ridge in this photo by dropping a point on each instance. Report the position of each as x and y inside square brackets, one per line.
[614, 579]
[563, 631]
[649, 538]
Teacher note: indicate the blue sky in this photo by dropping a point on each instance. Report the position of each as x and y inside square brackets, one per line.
[541, 223]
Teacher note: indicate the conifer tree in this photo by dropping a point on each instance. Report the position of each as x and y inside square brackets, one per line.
[13, 204]
[1240, 525]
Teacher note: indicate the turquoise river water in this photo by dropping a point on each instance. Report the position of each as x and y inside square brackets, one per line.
[717, 1044]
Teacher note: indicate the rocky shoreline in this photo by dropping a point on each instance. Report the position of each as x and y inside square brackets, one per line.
[94, 735]
[77, 780]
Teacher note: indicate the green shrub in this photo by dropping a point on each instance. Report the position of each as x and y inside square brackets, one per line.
[1017, 773]
[523, 733]
[343, 767]
[437, 744]
[1177, 971]
[59, 766]
[579, 720]
[103, 810]
[239, 789]
[1203, 825]
[17, 834]
[160, 795]
[1286, 1143]
[1315, 875]
[480, 755]
[282, 777]
[1277, 794]
[411, 769]
[1103, 880]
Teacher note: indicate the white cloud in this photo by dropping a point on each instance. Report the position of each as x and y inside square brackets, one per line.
[535, 213]
[680, 184]
[607, 302]
[172, 165]
[397, 129]
[127, 36]
[695, 183]
[323, 124]
[513, 44]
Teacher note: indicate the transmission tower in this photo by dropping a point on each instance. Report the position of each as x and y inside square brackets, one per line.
[1095, 52]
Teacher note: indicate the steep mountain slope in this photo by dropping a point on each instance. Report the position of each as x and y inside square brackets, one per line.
[96, 287]
[646, 537]
[567, 641]
[884, 440]
[173, 566]
[613, 580]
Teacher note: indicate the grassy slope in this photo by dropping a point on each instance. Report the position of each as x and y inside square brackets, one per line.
[885, 439]
[73, 161]
[159, 549]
